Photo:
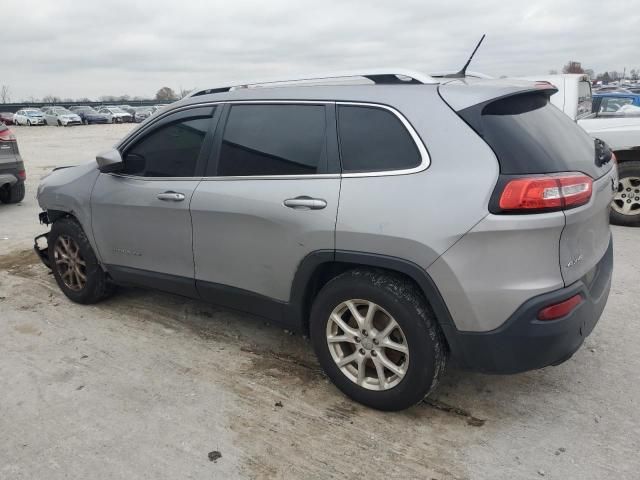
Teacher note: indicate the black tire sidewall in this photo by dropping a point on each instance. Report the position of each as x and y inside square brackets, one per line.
[425, 351]
[95, 275]
[627, 169]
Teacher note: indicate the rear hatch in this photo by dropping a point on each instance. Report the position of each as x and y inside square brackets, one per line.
[535, 142]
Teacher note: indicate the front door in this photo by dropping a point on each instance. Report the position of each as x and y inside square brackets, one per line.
[140, 216]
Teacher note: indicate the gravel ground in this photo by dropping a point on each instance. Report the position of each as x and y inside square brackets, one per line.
[148, 385]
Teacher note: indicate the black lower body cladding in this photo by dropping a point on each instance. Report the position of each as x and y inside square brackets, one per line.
[525, 343]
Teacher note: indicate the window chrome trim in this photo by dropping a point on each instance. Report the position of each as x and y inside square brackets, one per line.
[424, 155]
[425, 160]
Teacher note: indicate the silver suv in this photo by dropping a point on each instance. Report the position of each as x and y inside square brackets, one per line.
[399, 219]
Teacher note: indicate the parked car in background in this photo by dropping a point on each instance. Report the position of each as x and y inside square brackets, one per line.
[89, 115]
[620, 131]
[159, 107]
[7, 118]
[12, 173]
[129, 109]
[116, 114]
[61, 117]
[142, 113]
[512, 277]
[29, 116]
[612, 102]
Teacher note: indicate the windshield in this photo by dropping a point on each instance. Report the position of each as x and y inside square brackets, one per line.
[62, 111]
[32, 113]
[584, 99]
[116, 110]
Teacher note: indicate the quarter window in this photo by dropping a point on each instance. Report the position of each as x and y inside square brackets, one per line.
[170, 151]
[373, 139]
[273, 140]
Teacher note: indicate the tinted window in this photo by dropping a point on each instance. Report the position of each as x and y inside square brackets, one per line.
[374, 139]
[613, 104]
[170, 151]
[273, 140]
[529, 135]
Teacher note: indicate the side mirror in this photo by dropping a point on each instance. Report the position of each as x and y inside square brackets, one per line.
[109, 161]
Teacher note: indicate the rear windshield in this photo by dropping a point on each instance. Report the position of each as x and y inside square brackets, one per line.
[529, 135]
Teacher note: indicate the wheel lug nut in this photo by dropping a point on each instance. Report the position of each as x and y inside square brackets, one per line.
[362, 351]
[357, 339]
[375, 341]
[364, 332]
[374, 353]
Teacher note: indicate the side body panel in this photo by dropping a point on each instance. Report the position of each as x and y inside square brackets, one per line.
[244, 237]
[419, 216]
[135, 229]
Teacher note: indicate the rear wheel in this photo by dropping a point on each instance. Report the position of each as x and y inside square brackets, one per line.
[377, 340]
[12, 194]
[625, 208]
[75, 266]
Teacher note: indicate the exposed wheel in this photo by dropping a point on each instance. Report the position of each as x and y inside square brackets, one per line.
[12, 194]
[377, 340]
[85, 121]
[59, 123]
[625, 207]
[29, 123]
[75, 266]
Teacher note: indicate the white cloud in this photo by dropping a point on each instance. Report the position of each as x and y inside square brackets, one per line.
[112, 47]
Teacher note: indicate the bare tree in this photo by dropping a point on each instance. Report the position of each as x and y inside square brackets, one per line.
[573, 67]
[50, 99]
[634, 74]
[183, 92]
[553, 72]
[166, 94]
[5, 94]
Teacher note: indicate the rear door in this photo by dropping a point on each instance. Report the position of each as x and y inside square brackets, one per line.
[140, 216]
[269, 199]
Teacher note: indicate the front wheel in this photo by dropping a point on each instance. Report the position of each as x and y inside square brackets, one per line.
[377, 340]
[28, 123]
[75, 266]
[625, 207]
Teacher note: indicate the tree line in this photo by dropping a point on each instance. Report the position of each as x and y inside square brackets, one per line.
[610, 76]
[165, 94]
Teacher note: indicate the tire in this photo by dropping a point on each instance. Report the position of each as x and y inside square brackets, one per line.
[96, 286]
[59, 123]
[28, 123]
[85, 121]
[398, 299]
[12, 194]
[625, 210]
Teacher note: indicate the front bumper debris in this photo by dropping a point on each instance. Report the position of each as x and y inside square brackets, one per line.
[41, 247]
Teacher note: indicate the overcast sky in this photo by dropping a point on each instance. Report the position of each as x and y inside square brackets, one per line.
[78, 48]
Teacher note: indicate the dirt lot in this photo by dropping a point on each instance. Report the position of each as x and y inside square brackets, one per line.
[146, 385]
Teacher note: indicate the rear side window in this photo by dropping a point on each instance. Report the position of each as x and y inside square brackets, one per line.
[529, 135]
[585, 101]
[614, 104]
[374, 139]
[273, 140]
[169, 151]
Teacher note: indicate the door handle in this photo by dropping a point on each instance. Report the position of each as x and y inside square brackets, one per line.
[171, 196]
[305, 203]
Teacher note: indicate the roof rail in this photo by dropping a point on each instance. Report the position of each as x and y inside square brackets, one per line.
[385, 76]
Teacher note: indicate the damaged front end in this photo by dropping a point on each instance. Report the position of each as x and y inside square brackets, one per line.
[41, 242]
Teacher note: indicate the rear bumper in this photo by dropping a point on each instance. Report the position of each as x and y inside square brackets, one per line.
[525, 343]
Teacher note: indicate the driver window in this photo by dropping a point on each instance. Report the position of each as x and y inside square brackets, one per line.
[169, 151]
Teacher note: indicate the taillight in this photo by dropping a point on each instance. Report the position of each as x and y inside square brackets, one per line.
[547, 193]
[559, 310]
[22, 175]
[7, 136]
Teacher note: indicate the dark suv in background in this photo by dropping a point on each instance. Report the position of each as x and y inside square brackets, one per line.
[12, 174]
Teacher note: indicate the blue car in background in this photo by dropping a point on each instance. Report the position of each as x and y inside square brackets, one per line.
[90, 115]
[612, 102]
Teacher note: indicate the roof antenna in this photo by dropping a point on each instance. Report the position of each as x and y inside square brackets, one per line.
[463, 72]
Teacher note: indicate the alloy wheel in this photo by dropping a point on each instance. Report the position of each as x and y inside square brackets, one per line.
[367, 345]
[69, 263]
[627, 198]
